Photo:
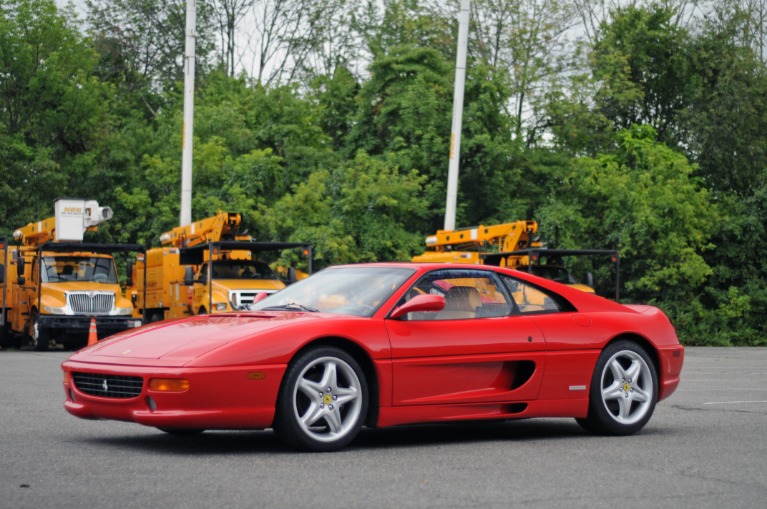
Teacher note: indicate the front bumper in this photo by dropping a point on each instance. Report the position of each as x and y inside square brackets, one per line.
[671, 360]
[80, 325]
[217, 398]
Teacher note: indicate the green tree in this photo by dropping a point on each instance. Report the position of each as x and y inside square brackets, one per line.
[725, 121]
[639, 75]
[142, 41]
[644, 201]
[252, 145]
[52, 108]
[357, 212]
[405, 114]
[640, 59]
[406, 23]
[725, 117]
[336, 97]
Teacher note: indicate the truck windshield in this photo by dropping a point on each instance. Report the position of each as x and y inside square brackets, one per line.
[60, 269]
[241, 269]
[555, 273]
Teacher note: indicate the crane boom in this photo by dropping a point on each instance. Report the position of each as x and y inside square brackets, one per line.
[506, 236]
[222, 226]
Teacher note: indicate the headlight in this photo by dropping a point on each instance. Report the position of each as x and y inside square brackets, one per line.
[53, 310]
[219, 306]
[124, 311]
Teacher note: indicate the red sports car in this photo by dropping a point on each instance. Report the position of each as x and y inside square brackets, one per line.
[386, 344]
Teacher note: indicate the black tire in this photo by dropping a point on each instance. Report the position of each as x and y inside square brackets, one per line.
[5, 337]
[323, 400]
[624, 390]
[155, 316]
[9, 338]
[73, 344]
[39, 337]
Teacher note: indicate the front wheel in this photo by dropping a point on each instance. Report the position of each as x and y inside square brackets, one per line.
[624, 390]
[7, 338]
[323, 400]
[40, 337]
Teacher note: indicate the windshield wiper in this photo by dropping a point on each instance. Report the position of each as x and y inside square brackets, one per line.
[290, 306]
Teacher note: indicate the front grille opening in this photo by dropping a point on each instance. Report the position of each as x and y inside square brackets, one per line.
[89, 303]
[108, 386]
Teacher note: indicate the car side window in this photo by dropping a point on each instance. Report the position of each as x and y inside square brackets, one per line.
[468, 294]
[529, 298]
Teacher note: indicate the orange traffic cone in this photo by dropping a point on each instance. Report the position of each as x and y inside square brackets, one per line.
[92, 336]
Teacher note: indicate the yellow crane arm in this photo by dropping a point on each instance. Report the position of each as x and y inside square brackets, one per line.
[506, 236]
[222, 226]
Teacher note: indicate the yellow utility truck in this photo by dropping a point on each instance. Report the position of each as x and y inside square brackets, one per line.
[53, 283]
[514, 245]
[209, 266]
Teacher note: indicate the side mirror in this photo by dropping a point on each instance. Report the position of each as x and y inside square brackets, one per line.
[188, 276]
[129, 274]
[419, 304]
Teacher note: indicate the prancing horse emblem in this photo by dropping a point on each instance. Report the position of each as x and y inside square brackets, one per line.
[105, 386]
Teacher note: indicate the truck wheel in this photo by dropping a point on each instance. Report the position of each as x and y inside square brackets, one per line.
[155, 316]
[40, 337]
[5, 337]
[9, 338]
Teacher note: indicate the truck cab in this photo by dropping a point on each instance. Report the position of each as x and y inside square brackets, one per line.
[234, 284]
[54, 284]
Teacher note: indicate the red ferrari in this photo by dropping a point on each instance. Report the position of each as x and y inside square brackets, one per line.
[386, 344]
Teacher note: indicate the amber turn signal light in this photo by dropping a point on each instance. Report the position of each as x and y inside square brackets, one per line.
[168, 384]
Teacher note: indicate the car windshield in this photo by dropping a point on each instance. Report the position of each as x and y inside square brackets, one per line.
[61, 269]
[356, 291]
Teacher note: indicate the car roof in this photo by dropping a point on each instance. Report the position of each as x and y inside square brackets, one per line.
[580, 299]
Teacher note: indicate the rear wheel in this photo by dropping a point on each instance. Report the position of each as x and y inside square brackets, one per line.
[624, 390]
[323, 400]
[7, 337]
[155, 316]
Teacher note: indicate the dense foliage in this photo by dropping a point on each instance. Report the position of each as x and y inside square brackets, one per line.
[642, 129]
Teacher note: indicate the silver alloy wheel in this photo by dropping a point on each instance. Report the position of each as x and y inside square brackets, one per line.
[627, 387]
[327, 399]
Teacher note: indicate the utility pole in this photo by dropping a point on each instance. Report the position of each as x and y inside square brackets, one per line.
[186, 156]
[455, 136]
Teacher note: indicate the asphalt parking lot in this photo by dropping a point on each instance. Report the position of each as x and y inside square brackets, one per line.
[706, 446]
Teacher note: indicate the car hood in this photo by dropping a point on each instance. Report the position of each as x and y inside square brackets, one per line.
[177, 342]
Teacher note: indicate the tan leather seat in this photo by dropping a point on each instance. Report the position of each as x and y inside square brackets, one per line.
[460, 302]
